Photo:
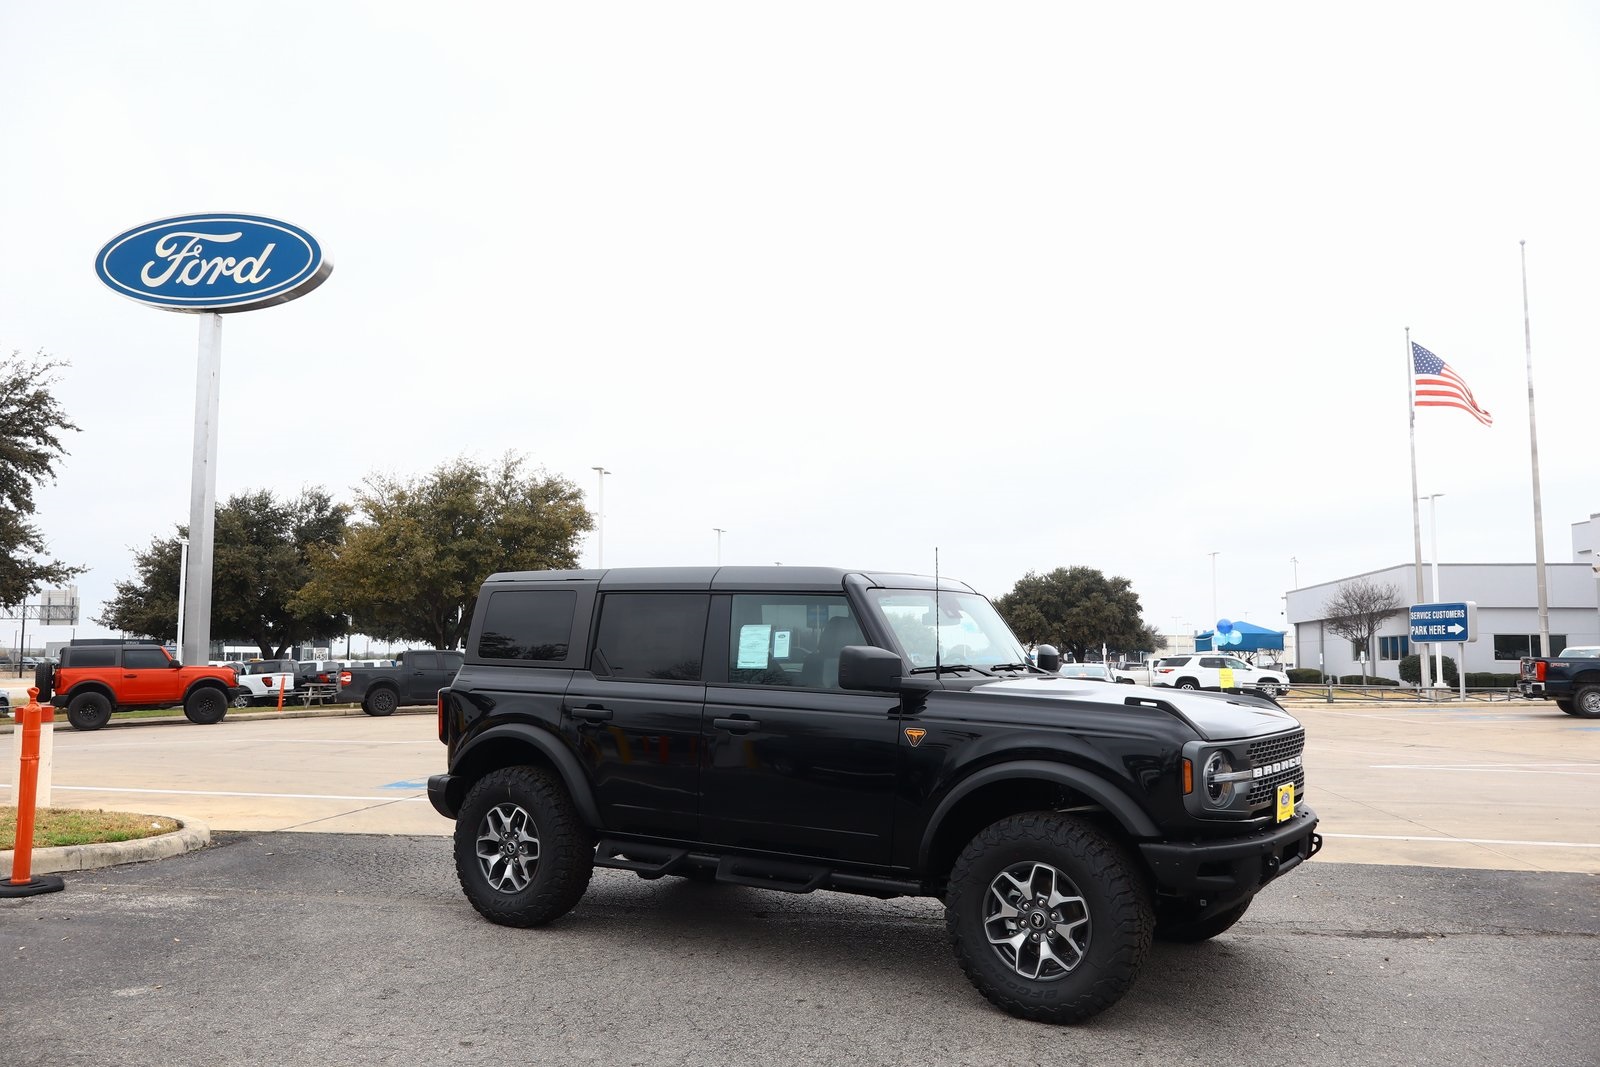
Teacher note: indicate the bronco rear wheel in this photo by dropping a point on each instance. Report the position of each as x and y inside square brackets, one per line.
[1048, 918]
[523, 855]
[89, 711]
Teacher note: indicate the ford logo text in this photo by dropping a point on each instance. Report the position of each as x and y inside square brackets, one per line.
[215, 262]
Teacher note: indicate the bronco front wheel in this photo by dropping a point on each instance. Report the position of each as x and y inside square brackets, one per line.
[1048, 918]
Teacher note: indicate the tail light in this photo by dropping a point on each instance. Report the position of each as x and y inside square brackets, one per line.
[1538, 670]
[441, 715]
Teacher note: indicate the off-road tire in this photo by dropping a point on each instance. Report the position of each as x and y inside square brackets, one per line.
[558, 875]
[89, 711]
[1115, 900]
[1586, 702]
[44, 676]
[1175, 927]
[205, 706]
[381, 701]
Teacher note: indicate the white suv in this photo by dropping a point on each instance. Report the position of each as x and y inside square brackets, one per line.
[1209, 670]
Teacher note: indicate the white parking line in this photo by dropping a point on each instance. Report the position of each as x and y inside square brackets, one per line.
[1465, 840]
[1590, 770]
[223, 793]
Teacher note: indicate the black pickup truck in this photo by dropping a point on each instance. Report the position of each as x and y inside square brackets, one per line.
[1571, 679]
[417, 680]
[799, 728]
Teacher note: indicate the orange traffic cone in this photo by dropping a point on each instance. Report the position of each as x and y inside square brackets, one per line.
[22, 884]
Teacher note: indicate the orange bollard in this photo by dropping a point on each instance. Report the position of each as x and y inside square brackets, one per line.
[280, 692]
[22, 883]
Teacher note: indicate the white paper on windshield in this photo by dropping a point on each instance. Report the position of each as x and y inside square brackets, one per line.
[753, 641]
[780, 645]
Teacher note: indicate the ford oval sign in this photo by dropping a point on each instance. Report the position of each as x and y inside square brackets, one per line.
[215, 262]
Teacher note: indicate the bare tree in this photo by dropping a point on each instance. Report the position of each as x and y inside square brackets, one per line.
[1358, 610]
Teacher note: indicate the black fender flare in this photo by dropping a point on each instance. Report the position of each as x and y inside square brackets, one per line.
[1121, 806]
[207, 683]
[86, 687]
[552, 748]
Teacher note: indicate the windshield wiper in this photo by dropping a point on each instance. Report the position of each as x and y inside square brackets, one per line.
[941, 668]
[1015, 667]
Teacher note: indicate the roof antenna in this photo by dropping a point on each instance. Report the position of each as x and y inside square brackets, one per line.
[938, 671]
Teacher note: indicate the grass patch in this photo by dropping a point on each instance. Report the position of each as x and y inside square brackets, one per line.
[53, 827]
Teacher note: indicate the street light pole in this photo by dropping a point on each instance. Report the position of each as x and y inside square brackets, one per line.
[720, 532]
[1214, 616]
[600, 519]
[1433, 534]
[183, 588]
[1295, 563]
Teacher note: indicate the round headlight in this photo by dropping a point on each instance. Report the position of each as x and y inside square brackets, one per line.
[1219, 793]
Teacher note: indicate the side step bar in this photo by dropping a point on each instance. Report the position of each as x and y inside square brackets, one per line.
[654, 861]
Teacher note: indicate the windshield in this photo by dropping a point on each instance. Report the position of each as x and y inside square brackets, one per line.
[1583, 652]
[966, 626]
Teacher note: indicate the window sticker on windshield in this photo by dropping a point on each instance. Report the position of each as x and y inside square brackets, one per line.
[753, 641]
[780, 645]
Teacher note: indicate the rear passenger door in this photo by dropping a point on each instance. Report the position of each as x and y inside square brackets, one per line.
[633, 717]
[791, 762]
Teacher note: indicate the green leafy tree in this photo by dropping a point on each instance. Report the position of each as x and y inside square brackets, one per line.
[409, 569]
[261, 559]
[31, 426]
[1077, 609]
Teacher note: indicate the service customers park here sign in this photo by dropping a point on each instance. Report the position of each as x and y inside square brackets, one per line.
[218, 262]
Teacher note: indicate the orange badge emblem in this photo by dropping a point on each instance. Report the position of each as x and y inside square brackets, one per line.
[915, 735]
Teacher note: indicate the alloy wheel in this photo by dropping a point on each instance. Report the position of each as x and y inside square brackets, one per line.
[1036, 921]
[508, 848]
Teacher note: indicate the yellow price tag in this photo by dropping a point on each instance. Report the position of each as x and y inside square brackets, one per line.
[1225, 678]
[1286, 802]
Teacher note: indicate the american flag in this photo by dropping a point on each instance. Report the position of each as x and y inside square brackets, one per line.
[1440, 387]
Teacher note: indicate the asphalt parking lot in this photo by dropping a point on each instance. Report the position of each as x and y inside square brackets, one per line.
[1453, 918]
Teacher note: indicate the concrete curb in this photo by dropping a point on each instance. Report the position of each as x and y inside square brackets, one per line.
[190, 836]
[234, 715]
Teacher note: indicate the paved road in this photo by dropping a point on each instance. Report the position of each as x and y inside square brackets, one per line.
[322, 949]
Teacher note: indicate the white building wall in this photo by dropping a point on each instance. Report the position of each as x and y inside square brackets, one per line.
[1507, 599]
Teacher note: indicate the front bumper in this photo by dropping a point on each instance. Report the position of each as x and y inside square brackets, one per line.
[1219, 873]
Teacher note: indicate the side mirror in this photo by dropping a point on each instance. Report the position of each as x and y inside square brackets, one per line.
[876, 670]
[175, 664]
[1049, 657]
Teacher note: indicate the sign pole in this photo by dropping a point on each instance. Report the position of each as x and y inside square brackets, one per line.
[203, 492]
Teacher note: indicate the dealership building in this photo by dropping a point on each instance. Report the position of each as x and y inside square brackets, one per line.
[1507, 599]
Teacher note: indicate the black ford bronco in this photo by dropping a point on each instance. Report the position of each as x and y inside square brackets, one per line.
[800, 728]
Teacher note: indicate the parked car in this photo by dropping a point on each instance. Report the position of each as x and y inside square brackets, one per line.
[262, 680]
[1097, 672]
[1571, 679]
[1209, 670]
[1134, 674]
[98, 677]
[416, 679]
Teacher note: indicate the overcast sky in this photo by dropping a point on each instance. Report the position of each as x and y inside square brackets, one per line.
[1039, 284]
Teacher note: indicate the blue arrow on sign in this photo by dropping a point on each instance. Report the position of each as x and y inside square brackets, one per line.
[1443, 623]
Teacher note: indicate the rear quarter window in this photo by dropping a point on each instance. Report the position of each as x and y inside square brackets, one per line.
[528, 624]
[90, 657]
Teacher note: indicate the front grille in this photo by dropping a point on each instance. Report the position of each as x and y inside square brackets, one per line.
[1270, 751]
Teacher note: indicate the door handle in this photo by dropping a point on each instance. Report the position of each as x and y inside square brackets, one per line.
[736, 726]
[592, 713]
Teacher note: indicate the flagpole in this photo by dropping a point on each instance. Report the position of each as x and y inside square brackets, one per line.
[1416, 507]
[1533, 450]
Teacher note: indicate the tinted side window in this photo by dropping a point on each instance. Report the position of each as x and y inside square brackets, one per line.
[531, 624]
[651, 635]
[789, 639]
[1212, 661]
[92, 657]
[140, 658]
[423, 661]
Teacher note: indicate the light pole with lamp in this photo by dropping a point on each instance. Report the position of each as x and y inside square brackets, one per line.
[600, 519]
[720, 531]
[183, 587]
[1433, 534]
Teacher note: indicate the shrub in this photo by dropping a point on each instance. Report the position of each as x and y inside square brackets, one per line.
[1371, 679]
[1305, 676]
[1411, 672]
[1490, 680]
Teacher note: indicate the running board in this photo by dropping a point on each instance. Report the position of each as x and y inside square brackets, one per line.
[655, 861]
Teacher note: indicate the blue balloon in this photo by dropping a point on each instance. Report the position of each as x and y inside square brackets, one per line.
[1224, 626]
[1235, 637]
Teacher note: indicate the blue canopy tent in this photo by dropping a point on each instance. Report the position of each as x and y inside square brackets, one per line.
[1253, 639]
